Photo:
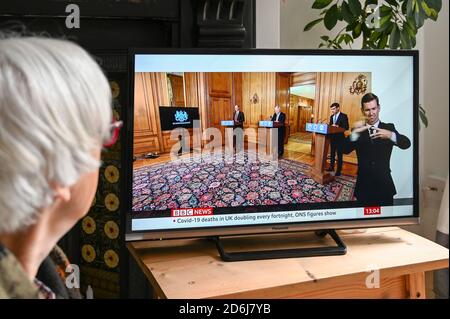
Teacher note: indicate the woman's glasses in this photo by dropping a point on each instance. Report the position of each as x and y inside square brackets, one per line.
[115, 130]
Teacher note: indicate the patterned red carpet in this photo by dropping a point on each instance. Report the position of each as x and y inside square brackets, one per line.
[216, 181]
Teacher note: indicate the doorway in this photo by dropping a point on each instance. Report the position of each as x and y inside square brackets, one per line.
[301, 106]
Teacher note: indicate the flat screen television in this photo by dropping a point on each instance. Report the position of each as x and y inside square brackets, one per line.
[172, 118]
[264, 128]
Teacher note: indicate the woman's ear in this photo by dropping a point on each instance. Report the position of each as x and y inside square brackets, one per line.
[61, 193]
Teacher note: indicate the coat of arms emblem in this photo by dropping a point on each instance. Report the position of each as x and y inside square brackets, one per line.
[181, 116]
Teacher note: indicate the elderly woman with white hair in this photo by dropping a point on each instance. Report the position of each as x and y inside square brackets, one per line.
[55, 116]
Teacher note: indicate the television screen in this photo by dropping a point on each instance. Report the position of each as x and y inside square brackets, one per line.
[256, 141]
[175, 117]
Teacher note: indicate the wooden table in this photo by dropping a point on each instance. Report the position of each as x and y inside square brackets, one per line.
[193, 269]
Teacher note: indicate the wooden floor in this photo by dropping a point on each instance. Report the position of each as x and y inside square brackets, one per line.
[163, 158]
[347, 168]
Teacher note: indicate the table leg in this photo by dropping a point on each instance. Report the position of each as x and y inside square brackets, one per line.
[416, 285]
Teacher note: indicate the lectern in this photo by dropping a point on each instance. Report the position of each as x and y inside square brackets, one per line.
[229, 126]
[270, 139]
[323, 134]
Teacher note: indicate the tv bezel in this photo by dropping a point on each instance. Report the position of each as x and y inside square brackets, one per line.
[127, 154]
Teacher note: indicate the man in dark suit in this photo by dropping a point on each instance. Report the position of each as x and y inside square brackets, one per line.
[373, 141]
[239, 119]
[279, 117]
[337, 119]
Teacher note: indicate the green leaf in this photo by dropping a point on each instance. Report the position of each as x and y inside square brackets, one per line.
[348, 38]
[422, 109]
[355, 7]
[434, 14]
[409, 7]
[389, 29]
[310, 25]
[410, 26]
[385, 10]
[384, 20]
[339, 13]
[320, 4]
[344, 38]
[346, 13]
[410, 32]
[434, 4]
[351, 26]
[426, 8]
[331, 17]
[394, 38]
[375, 36]
[419, 15]
[419, 18]
[413, 42]
[356, 31]
[405, 40]
[386, 27]
[321, 45]
[373, 46]
[366, 31]
[383, 42]
[404, 6]
[325, 38]
[423, 116]
[336, 46]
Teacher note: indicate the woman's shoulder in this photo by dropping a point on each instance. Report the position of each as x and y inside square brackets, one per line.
[14, 282]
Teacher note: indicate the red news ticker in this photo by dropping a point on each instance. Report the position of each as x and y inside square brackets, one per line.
[374, 210]
[188, 212]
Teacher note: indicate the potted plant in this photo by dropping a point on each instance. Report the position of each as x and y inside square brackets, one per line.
[382, 24]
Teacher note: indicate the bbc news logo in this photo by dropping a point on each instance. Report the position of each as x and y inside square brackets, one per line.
[189, 212]
[374, 210]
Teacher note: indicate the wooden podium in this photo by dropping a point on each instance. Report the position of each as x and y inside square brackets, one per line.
[323, 133]
[270, 139]
[229, 126]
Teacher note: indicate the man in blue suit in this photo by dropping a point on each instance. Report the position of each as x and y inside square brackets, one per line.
[337, 119]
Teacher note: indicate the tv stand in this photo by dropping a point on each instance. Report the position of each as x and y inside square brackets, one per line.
[339, 249]
[192, 269]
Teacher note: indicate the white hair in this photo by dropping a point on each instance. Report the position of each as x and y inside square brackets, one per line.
[55, 110]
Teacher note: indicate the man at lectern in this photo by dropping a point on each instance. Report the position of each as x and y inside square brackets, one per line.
[279, 117]
[337, 119]
[239, 119]
[373, 141]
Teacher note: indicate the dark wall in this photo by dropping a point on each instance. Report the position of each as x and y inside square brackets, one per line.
[118, 25]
